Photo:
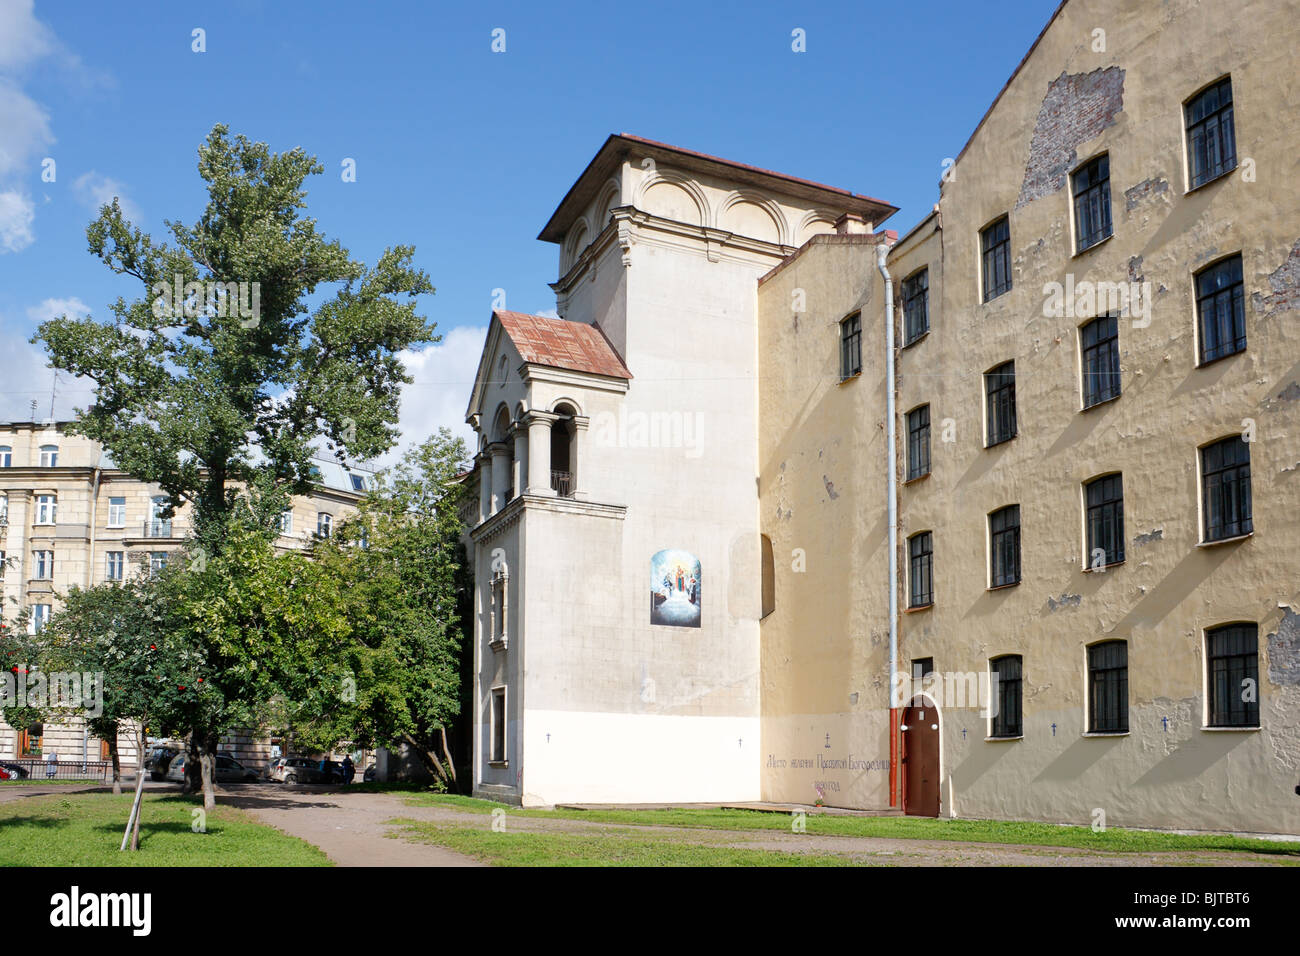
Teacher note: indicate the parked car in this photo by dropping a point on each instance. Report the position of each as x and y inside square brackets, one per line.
[369, 775]
[228, 770]
[304, 770]
[159, 760]
[14, 771]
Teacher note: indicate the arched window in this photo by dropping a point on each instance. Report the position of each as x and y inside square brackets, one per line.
[49, 456]
[769, 575]
[564, 463]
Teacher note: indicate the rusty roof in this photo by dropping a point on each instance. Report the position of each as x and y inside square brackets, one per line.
[559, 343]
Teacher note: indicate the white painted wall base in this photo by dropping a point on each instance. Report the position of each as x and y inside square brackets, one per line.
[638, 758]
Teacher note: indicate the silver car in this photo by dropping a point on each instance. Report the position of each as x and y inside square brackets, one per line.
[228, 770]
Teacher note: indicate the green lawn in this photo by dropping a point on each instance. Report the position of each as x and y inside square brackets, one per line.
[622, 847]
[1114, 839]
[85, 829]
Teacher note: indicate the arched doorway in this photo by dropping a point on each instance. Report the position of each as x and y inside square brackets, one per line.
[563, 464]
[920, 730]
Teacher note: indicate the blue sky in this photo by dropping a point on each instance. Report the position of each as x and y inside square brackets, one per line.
[460, 151]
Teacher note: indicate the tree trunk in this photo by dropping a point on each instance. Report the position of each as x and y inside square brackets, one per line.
[139, 781]
[193, 764]
[209, 766]
[428, 758]
[117, 762]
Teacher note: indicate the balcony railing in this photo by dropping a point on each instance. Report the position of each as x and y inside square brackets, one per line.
[562, 483]
[157, 528]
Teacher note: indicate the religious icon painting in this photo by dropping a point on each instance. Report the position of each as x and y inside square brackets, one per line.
[675, 589]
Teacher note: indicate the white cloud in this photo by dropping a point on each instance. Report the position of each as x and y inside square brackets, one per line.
[23, 38]
[17, 213]
[549, 314]
[94, 190]
[444, 376]
[72, 307]
[26, 128]
[28, 377]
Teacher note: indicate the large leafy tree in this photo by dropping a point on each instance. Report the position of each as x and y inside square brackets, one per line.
[237, 379]
[397, 563]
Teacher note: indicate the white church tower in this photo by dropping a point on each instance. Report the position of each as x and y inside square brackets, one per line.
[618, 562]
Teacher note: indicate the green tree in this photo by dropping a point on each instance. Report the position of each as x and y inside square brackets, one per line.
[397, 562]
[220, 375]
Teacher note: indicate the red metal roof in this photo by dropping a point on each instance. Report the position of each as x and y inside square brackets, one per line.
[559, 343]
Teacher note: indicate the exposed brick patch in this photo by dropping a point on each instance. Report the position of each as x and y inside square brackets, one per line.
[1156, 535]
[1135, 269]
[1077, 107]
[1065, 600]
[1143, 191]
[1284, 650]
[1285, 282]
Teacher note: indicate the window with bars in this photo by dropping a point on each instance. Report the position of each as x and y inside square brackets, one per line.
[1000, 395]
[1004, 540]
[851, 346]
[1221, 310]
[1105, 498]
[1008, 721]
[918, 442]
[1092, 203]
[916, 306]
[1225, 485]
[1099, 341]
[1232, 653]
[921, 570]
[1108, 688]
[995, 246]
[1211, 137]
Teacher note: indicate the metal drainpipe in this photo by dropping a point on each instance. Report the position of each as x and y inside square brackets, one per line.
[882, 250]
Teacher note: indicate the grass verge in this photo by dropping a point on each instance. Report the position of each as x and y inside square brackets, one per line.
[85, 829]
[623, 847]
[1113, 839]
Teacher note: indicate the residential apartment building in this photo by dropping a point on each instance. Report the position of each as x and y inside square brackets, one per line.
[70, 518]
[992, 520]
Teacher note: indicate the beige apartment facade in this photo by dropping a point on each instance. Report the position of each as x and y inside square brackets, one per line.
[70, 518]
[1097, 444]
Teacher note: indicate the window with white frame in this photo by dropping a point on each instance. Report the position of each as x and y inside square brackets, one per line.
[116, 512]
[497, 751]
[157, 561]
[115, 565]
[40, 617]
[286, 522]
[47, 508]
[42, 565]
[324, 524]
[49, 456]
[4, 509]
[6, 456]
[3, 564]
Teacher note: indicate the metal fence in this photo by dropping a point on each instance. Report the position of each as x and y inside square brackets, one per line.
[39, 769]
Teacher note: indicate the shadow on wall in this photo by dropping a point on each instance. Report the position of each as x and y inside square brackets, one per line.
[1079, 758]
[1189, 574]
[1192, 758]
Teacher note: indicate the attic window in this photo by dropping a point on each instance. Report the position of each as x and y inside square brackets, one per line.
[502, 372]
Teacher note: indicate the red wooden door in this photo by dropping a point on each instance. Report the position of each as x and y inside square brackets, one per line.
[921, 761]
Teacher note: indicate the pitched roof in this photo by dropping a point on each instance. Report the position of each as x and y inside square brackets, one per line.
[559, 343]
[618, 145]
